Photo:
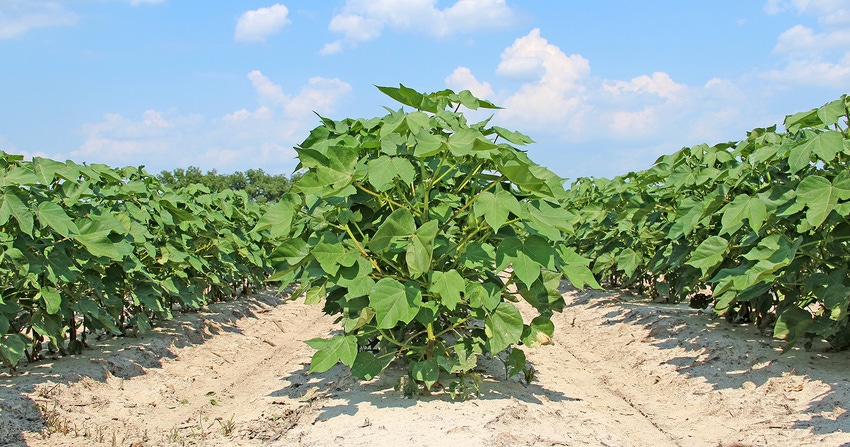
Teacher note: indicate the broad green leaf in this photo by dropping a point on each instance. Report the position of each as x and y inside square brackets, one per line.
[826, 145]
[417, 121]
[462, 360]
[52, 215]
[820, 197]
[13, 348]
[709, 253]
[426, 371]
[365, 317]
[340, 167]
[462, 141]
[628, 260]
[384, 169]
[496, 207]
[14, 205]
[52, 299]
[427, 144]
[421, 249]
[513, 137]
[340, 348]
[503, 327]
[410, 97]
[366, 365]
[743, 207]
[482, 296]
[99, 244]
[277, 219]
[394, 302]
[315, 294]
[791, 324]
[448, 286]
[527, 257]
[398, 224]
[832, 111]
[515, 362]
[539, 332]
[333, 255]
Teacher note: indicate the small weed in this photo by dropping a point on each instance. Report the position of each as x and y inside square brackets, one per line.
[227, 426]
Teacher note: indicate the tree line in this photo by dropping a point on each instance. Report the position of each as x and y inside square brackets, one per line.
[261, 186]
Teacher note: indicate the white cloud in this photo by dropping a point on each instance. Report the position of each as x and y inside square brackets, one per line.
[555, 91]
[239, 140]
[829, 12]
[19, 16]
[146, 2]
[813, 57]
[463, 79]
[257, 25]
[607, 125]
[364, 20]
[659, 84]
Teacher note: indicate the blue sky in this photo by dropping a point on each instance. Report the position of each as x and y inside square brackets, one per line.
[603, 87]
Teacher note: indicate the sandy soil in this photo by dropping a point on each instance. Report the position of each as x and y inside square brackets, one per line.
[621, 372]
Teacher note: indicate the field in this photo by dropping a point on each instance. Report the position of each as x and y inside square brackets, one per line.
[622, 372]
[447, 291]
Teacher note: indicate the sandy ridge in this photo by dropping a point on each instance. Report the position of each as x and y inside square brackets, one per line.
[621, 372]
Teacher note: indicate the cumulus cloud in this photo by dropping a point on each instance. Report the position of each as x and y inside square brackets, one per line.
[364, 20]
[19, 16]
[463, 79]
[240, 140]
[556, 85]
[815, 57]
[569, 111]
[258, 24]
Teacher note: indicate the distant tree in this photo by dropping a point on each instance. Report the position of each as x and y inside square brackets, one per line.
[260, 186]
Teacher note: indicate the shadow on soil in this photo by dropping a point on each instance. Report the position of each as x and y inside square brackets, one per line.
[728, 361]
[381, 392]
[113, 357]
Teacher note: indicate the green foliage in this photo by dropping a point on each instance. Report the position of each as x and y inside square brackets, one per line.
[764, 224]
[260, 186]
[87, 250]
[415, 228]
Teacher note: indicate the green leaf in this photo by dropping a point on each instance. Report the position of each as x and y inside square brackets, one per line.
[709, 253]
[832, 111]
[513, 137]
[420, 250]
[277, 219]
[394, 302]
[399, 224]
[14, 205]
[743, 207]
[515, 362]
[340, 348]
[791, 324]
[99, 244]
[52, 215]
[820, 196]
[52, 299]
[333, 255]
[426, 371]
[366, 365]
[503, 327]
[539, 332]
[384, 169]
[427, 144]
[462, 141]
[826, 145]
[448, 286]
[410, 97]
[527, 257]
[13, 348]
[496, 207]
